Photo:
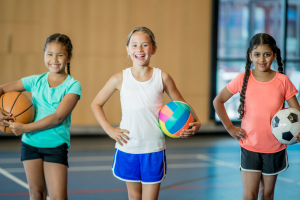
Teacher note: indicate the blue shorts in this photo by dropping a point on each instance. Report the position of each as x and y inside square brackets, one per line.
[147, 168]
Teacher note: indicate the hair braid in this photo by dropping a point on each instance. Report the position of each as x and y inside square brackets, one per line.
[68, 69]
[241, 109]
[279, 61]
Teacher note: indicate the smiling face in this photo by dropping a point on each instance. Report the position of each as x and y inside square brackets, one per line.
[56, 58]
[262, 57]
[140, 49]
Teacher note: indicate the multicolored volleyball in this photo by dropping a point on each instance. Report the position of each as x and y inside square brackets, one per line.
[174, 117]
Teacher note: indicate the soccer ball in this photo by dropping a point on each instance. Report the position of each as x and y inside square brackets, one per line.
[285, 125]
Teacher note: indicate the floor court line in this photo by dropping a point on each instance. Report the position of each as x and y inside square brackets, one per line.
[108, 167]
[15, 179]
[170, 157]
[125, 189]
[110, 158]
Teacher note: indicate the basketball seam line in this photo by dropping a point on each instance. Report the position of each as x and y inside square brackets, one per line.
[2, 108]
[14, 103]
[24, 111]
[2, 100]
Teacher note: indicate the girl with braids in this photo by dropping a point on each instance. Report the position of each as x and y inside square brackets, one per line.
[46, 140]
[262, 94]
[140, 146]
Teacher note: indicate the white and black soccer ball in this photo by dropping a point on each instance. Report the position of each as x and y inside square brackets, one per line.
[285, 125]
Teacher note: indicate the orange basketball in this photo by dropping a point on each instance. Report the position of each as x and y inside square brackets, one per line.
[19, 105]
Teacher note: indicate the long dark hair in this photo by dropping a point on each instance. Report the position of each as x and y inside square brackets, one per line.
[258, 39]
[63, 40]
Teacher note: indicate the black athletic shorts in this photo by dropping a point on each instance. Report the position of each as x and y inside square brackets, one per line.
[54, 155]
[266, 163]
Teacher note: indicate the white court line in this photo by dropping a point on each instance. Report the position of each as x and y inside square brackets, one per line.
[227, 164]
[169, 157]
[110, 158]
[104, 168]
[15, 179]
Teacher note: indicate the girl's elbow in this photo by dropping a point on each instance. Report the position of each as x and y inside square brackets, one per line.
[215, 102]
[59, 120]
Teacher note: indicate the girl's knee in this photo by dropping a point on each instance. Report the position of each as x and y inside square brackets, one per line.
[250, 196]
[37, 195]
[134, 196]
[268, 197]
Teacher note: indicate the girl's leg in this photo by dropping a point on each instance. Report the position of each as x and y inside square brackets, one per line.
[268, 187]
[250, 184]
[56, 178]
[261, 190]
[151, 191]
[134, 191]
[35, 178]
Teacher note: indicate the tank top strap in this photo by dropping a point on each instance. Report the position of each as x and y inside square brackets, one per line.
[157, 78]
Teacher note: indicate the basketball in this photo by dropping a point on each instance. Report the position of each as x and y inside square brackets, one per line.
[19, 105]
[174, 117]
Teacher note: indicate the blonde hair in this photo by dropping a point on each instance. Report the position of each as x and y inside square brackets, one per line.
[144, 30]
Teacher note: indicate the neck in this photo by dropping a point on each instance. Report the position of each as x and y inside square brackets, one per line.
[56, 76]
[262, 74]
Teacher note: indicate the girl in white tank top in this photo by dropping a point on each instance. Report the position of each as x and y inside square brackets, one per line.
[141, 91]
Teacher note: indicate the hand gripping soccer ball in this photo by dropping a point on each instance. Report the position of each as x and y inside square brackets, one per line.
[285, 125]
[174, 117]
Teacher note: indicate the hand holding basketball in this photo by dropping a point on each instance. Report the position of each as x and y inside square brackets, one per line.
[15, 107]
[16, 127]
[4, 117]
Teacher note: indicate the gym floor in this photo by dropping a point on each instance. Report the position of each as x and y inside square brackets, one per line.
[204, 167]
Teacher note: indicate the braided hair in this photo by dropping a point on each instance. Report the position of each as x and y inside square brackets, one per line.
[258, 39]
[63, 40]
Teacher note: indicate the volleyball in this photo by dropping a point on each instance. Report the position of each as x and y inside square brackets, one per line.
[19, 105]
[174, 117]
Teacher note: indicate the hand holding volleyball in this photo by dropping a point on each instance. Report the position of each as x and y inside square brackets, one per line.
[177, 120]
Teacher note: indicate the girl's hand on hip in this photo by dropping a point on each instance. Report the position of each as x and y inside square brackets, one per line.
[4, 117]
[118, 135]
[298, 137]
[16, 127]
[237, 132]
[190, 132]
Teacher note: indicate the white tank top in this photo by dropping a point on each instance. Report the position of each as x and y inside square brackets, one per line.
[141, 103]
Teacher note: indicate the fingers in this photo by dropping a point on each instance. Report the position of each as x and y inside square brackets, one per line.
[241, 134]
[7, 118]
[6, 113]
[121, 137]
[298, 137]
[5, 123]
[186, 133]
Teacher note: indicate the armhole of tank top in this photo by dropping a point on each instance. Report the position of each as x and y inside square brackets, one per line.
[123, 81]
[161, 85]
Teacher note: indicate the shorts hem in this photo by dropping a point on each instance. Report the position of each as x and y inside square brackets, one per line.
[149, 183]
[276, 173]
[249, 170]
[126, 180]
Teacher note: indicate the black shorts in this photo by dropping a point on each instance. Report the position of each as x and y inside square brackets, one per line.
[54, 155]
[266, 163]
